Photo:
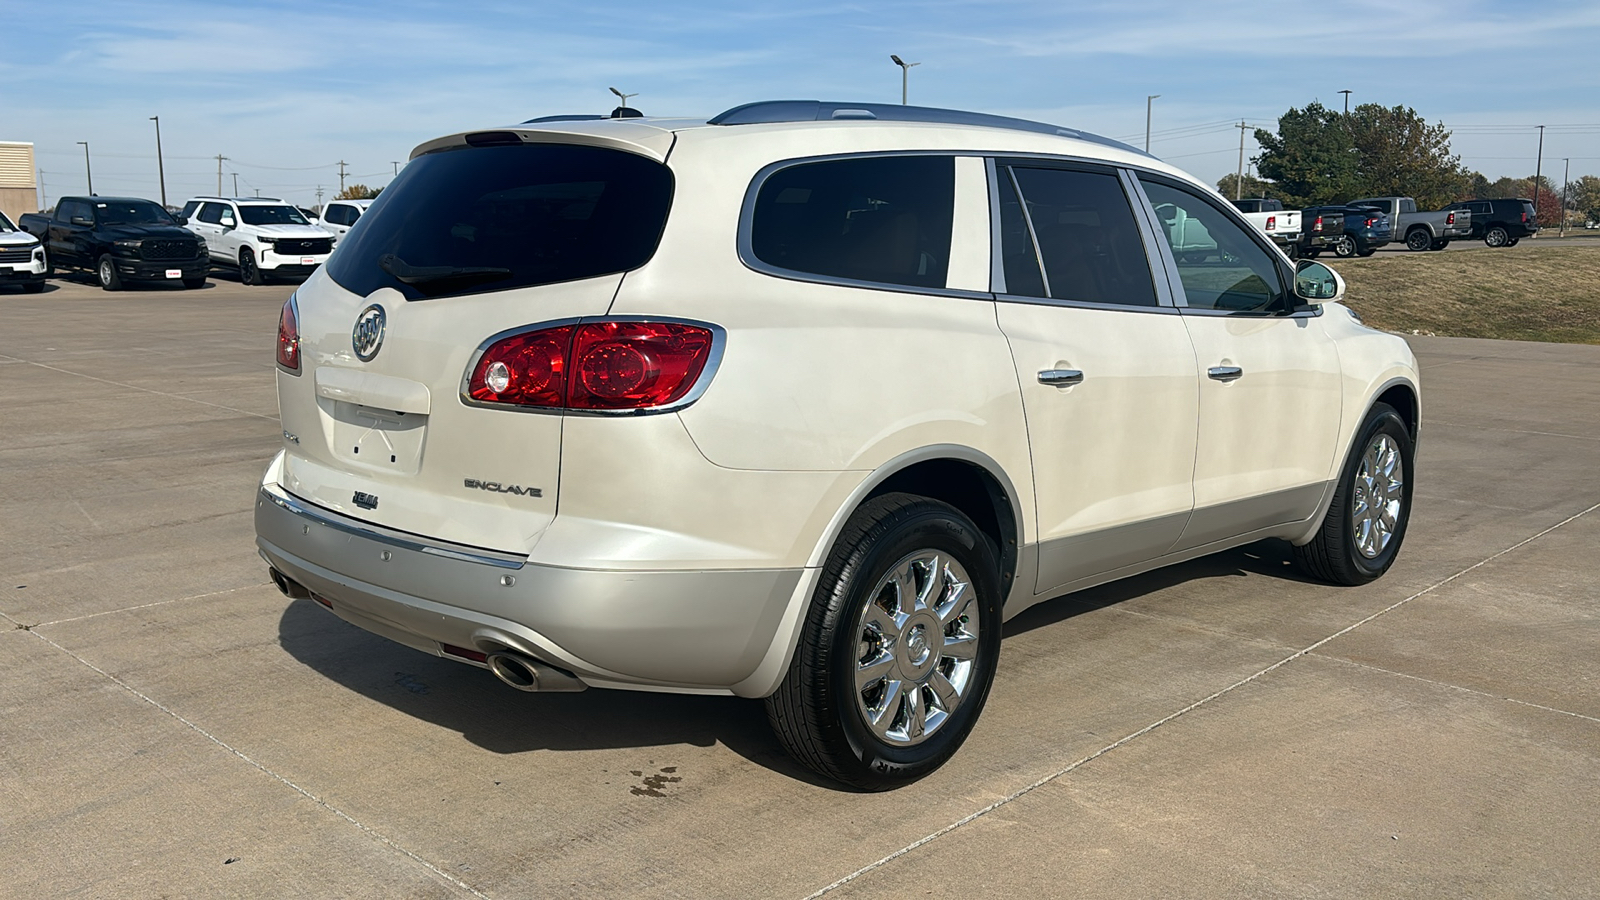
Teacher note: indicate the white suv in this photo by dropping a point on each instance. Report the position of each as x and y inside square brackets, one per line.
[802, 403]
[258, 236]
[339, 216]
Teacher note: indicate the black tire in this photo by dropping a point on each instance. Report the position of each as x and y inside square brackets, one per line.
[1512, 242]
[818, 712]
[1344, 247]
[1311, 254]
[1292, 251]
[190, 284]
[1333, 555]
[1438, 245]
[33, 287]
[1365, 253]
[249, 272]
[105, 272]
[1497, 236]
[1418, 239]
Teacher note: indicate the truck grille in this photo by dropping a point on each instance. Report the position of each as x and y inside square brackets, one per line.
[17, 256]
[169, 249]
[305, 246]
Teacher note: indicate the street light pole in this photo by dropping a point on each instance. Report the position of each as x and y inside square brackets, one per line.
[161, 166]
[905, 75]
[1566, 180]
[1538, 172]
[1148, 101]
[87, 171]
[620, 96]
[1346, 102]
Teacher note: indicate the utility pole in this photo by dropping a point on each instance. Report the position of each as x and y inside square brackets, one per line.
[1238, 180]
[396, 165]
[319, 199]
[88, 172]
[1538, 170]
[1147, 103]
[220, 158]
[1346, 102]
[161, 167]
[342, 165]
[235, 183]
[44, 196]
[905, 75]
[1566, 180]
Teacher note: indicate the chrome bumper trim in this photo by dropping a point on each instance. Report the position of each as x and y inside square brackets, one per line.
[287, 501]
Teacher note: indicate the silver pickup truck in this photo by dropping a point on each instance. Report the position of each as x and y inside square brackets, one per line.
[1421, 230]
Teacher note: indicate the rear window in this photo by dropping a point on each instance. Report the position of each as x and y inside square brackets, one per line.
[476, 219]
[880, 219]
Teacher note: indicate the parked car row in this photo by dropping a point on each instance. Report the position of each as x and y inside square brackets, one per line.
[1360, 227]
[128, 239]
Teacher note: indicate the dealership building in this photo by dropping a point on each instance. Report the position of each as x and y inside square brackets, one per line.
[19, 190]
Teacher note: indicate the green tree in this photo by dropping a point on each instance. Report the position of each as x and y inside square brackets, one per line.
[1253, 187]
[358, 192]
[1312, 158]
[1585, 197]
[1402, 155]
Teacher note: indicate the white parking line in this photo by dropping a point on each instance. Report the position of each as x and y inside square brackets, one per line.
[929, 838]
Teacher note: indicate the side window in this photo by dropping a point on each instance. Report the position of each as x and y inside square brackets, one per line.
[1082, 226]
[1479, 209]
[882, 219]
[334, 214]
[211, 213]
[226, 212]
[189, 208]
[1221, 265]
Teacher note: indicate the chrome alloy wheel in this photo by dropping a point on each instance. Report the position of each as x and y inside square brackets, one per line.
[918, 639]
[1379, 494]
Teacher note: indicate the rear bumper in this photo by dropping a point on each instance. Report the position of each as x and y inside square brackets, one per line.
[695, 631]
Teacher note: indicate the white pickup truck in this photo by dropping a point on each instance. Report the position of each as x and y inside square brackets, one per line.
[1279, 224]
[22, 259]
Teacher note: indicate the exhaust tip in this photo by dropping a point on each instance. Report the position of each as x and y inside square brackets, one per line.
[530, 675]
[290, 588]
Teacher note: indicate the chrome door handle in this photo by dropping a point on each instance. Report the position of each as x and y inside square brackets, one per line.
[1225, 373]
[1061, 377]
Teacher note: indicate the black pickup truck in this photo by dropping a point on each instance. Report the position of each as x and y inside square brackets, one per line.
[120, 239]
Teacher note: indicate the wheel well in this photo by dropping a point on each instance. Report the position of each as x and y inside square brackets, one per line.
[971, 489]
[1405, 403]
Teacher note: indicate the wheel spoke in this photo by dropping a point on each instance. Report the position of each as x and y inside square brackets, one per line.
[883, 715]
[933, 585]
[874, 670]
[955, 603]
[946, 692]
[960, 646]
[886, 623]
[905, 591]
[916, 712]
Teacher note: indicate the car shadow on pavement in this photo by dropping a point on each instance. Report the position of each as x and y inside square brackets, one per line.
[495, 717]
[469, 700]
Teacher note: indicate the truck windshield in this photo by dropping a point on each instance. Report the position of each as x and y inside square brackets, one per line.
[131, 212]
[5, 224]
[473, 219]
[271, 215]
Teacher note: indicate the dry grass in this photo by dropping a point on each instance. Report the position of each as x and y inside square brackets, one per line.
[1523, 293]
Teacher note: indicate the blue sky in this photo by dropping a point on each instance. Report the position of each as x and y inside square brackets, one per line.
[287, 89]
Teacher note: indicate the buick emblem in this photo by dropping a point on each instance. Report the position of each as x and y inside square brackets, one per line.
[367, 336]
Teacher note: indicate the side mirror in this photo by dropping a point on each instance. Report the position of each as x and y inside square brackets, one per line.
[228, 224]
[1316, 284]
[181, 220]
[83, 220]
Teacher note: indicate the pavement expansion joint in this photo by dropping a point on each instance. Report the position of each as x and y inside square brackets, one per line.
[123, 609]
[135, 387]
[1576, 437]
[1457, 687]
[364, 828]
[1059, 773]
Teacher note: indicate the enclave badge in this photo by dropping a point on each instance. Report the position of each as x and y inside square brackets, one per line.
[365, 501]
[499, 488]
[367, 337]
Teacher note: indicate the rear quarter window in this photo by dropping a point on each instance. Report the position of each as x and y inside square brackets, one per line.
[477, 219]
[883, 219]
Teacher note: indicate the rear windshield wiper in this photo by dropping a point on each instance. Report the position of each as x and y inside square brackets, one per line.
[440, 277]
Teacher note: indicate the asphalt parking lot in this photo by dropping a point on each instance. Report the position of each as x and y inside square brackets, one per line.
[170, 725]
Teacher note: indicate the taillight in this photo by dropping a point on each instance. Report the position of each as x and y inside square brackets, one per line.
[1524, 218]
[1318, 226]
[1272, 222]
[1371, 221]
[1450, 219]
[289, 337]
[605, 365]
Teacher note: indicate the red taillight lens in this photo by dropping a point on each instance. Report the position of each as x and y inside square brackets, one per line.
[612, 365]
[1371, 221]
[1450, 219]
[528, 369]
[1524, 218]
[289, 336]
[1318, 226]
[1272, 222]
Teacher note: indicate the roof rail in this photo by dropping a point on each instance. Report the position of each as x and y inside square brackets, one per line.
[571, 118]
[772, 111]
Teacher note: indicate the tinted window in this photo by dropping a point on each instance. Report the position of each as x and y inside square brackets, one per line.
[334, 215]
[518, 215]
[5, 224]
[1018, 256]
[1084, 229]
[211, 213]
[1528, 213]
[272, 215]
[882, 219]
[1221, 265]
[189, 208]
[132, 212]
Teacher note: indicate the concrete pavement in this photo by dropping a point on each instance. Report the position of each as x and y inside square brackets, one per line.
[171, 725]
